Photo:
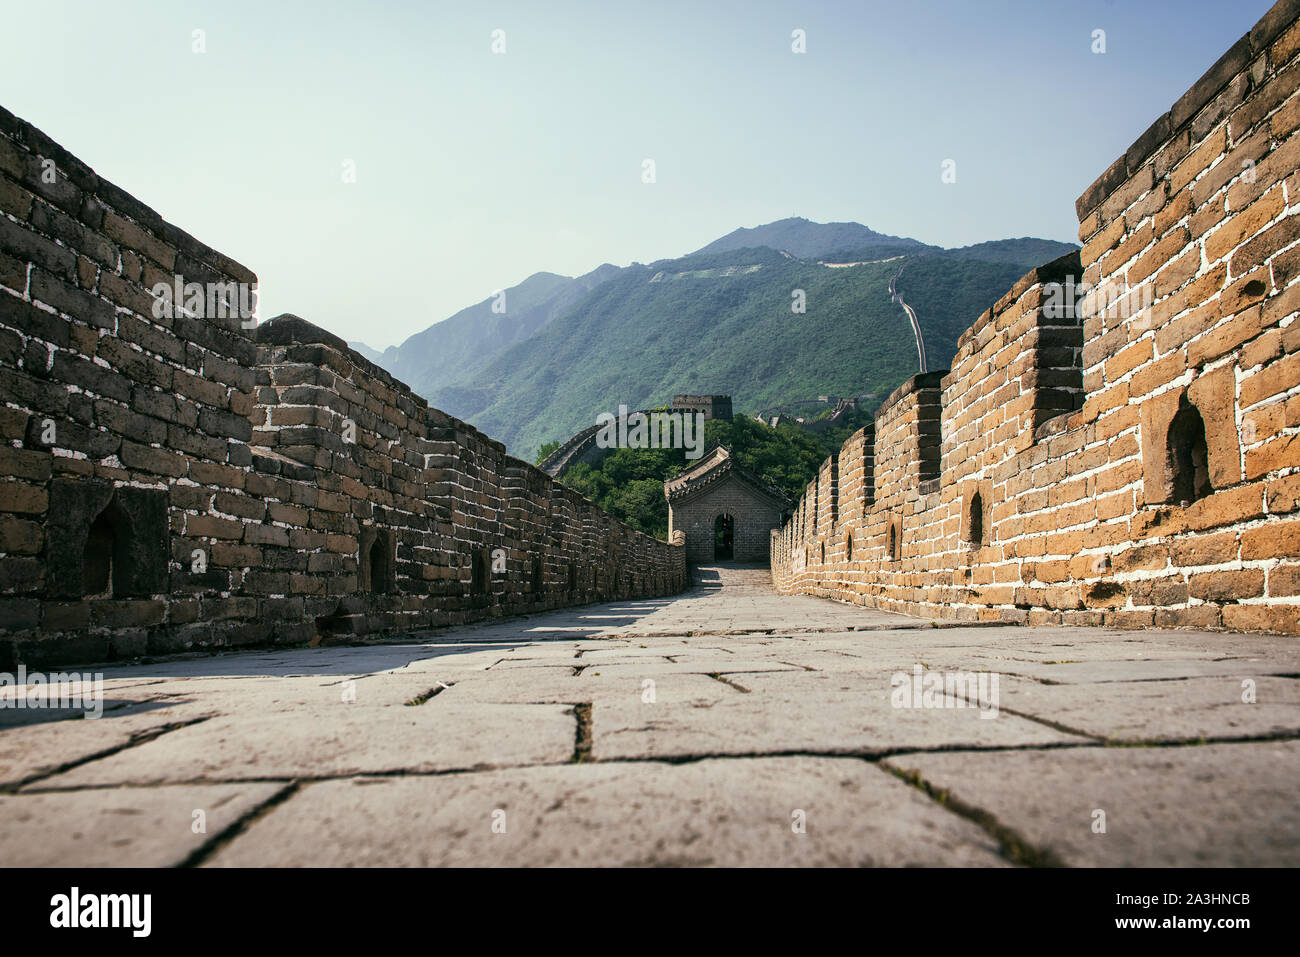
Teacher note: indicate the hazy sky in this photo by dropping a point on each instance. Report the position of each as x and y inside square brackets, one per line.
[476, 169]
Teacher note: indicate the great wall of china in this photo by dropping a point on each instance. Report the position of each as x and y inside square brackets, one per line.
[1138, 465]
[178, 483]
[181, 483]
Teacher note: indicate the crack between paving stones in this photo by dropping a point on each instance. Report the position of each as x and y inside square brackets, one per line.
[137, 739]
[1200, 741]
[1111, 742]
[425, 696]
[1011, 845]
[871, 756]
[727, 681]
[1054, 725]
[582, 738]
[1136, 681]
[224, 837]
[698, 633]
[1017, 674]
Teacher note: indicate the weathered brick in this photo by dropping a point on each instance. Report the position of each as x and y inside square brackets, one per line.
[129, 234]
[22, 497]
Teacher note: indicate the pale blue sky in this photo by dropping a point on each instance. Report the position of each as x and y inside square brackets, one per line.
[475, 170]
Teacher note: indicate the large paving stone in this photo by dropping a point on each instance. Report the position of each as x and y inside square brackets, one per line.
[517, 686]
[1137, 711]
[307, 662]
[120, 827]
[340, 740]
[537, 685]
[799, 711]
[697, 666]
[1060, 647]
[186, 698]
[1096, 672]
[250, 695]
[1219, 805]
[620, 653]
[34, 751]
[811, 656]
[718, 812]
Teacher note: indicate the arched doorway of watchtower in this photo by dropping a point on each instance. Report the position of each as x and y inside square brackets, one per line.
[724, 532]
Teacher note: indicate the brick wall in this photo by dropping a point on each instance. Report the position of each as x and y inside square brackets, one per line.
[172, 483]
[1132, 462]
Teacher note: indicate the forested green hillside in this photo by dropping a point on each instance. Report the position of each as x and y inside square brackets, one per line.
[709, 324]
[723, 323]
[717, 321]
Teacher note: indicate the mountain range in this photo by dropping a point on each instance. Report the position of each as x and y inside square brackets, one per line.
[557, 351]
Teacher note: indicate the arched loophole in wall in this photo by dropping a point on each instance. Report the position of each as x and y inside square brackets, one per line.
[376, 561]
[976, 519]
[98, 565]
[535, 582]
[1189, 459]
[573, 576]
[379, 566]
[895, 540]
[724, 537]
[480, 571]
[103, 541]
[848, 546]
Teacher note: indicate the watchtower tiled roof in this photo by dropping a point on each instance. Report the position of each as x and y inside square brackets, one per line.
[712, 468]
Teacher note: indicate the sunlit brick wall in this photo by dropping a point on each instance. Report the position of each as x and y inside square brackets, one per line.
[1134, 461]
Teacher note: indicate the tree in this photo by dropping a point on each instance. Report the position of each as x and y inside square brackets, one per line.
[546, 449]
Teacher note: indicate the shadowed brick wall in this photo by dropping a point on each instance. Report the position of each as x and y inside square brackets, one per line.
[180, 483]
[1135, 462]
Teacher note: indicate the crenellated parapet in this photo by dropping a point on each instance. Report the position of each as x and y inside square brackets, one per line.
[1115, 440]
[179, 478]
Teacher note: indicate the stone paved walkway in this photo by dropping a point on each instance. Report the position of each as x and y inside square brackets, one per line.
[731, 726]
